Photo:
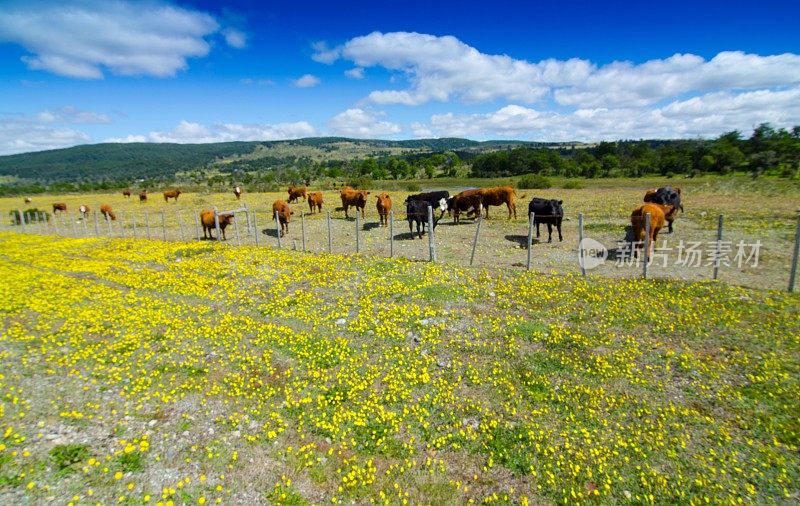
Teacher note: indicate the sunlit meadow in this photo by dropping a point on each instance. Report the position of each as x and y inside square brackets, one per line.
[144, 372]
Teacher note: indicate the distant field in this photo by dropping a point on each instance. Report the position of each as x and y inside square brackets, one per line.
[142, 372]
[761, 212]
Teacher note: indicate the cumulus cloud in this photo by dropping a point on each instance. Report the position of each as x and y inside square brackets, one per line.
[324, 54]
[355, 73]
[84, 39]
[444, 69]
[23, 134]
[360, 123]
[188, 132]
[235, 38]
[701, 116]
[307, 81]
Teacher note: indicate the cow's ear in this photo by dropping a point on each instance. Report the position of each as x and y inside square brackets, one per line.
[560, 202]
[678, 190]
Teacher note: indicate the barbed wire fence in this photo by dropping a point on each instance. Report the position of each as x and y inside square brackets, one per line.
[592, 246]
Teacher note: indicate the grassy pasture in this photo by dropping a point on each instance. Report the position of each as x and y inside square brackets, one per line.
[144, 372]
[762, 211]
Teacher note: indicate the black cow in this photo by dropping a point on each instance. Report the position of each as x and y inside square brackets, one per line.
[549, 212]
[666, 196]
[417, 211]
[434, 199]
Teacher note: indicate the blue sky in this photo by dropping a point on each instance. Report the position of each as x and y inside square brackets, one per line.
[77, 72]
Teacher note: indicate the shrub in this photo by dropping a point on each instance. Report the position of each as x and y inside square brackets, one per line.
[65, 456]
[534, 181]
[573, 184]
[361, 183]
[413, 187]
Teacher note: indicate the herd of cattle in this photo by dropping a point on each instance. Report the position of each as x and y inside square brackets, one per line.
[662, 205]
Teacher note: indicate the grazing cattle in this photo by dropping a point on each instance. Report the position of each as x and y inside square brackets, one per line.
[143, 196]
[315, 201]
[469, 201]
[295, 193]
[658, 213]
[549, 212]
[284, 215]
[126, 193]
[207, 220]
[28, 200]
[84, 210]
[384, 205]
[171, 194]
[666, 196]
[107, 212]
[498, 196]
[355, 198]
[435, 199]
[417, 211]
[59, 206]
[238, 192]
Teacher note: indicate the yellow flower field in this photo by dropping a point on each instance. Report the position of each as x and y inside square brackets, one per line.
[147, 372]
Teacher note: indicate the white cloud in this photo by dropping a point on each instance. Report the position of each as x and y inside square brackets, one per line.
[260, 82]
[702, 116]
[324, 54]
[307, 81]
[69, 114]
[444, 69]
[21, 135]
[355, 73]
[86, 38]
[195, 133]
[361, 123]
[235, 38]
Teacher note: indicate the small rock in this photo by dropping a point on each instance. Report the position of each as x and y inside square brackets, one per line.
[152, 423]
[443, 362]
[237, 433]
[51, 437]
[470, 422]
[627, 494]
[341, 321]
[185, 433]
[492, 294]
[253, 425]
[211, 431]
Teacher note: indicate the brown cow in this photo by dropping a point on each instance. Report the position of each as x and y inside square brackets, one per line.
[143, 196]
[470, 201]
[238, 192]
[315, 200]
[28, 200]
[355, 198]
[295, 193]
[107, 212]
[84, 210]
[59, 206]
[284, 215]
[498, 196]
[384, 206]
[126, 193]
[171, 194]
[666, 195]
[207, 220]
[658, 213]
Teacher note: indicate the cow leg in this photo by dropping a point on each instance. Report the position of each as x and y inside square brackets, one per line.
[537, 228]
[558, 226]
[549, 232]
[669, 228]
[411, 228]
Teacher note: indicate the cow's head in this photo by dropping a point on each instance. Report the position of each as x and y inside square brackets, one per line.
[444, 204]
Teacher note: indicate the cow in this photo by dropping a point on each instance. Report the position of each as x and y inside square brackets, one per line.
[238, 192]
[207, 219]
[143, 196]
[284, 215]
[59, 206]
[549, 212]
[666, 195]
[171, 194]
[355, 198]
[658, 214]
[126, 193]
[28, 200]
[384, 205]
[295, 193]
[417, 211]
[315, 201]
[498, 196]
[435, 199]
[469, 201]
[107, 212]
[84, 210]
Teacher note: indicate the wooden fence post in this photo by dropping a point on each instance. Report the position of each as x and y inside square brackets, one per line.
[391, 234]
[197, 226]
[255, 226]
[475, 241]
[358, 241]
[330, 241]
[530, 240]
[718, 247]
[303, 228]
[580, 245]
[278, 228]
[216, 224]
[646, 252]
[795, 255]
[147, 224]
[236, 229]
[431, 238]
[96, 227]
